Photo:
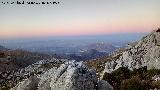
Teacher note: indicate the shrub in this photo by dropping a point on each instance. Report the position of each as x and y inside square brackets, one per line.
[135, 83]
[151, 73]
[138, 79]
[2, 55]
[155, 84]
[117, 76]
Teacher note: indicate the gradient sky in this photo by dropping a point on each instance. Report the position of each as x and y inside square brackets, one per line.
[79, 17]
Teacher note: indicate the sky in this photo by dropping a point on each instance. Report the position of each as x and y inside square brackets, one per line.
[78, 17]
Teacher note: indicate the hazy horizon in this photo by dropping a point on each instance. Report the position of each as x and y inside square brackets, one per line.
[79, 18]
[111, 38]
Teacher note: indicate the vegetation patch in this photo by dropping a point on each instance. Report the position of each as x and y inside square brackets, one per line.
[138, 79]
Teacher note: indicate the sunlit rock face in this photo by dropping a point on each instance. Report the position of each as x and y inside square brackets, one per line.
[69, 76]
[145, 52]
[74, 76]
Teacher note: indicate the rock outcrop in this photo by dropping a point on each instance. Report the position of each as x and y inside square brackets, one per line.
[28, 84]
[69, 76]
[156, 78]
[74, 76]
[145, 52]
[11, 78]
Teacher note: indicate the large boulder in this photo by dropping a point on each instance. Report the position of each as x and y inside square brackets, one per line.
[69, 76]
[74, 76]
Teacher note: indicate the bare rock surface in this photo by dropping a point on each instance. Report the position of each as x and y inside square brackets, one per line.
[28, 84]
[145, 52]
[71, 75]
[74, 76]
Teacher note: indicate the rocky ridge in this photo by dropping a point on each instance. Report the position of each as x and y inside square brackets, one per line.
[11, 78]
[145, 52]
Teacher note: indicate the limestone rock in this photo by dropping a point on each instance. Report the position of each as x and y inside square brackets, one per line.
[69, 76]
[28, 84]
[156, 78]
[145, 52]
[74, 76]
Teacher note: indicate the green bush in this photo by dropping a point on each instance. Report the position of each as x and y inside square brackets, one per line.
[151, 73]
[116, 77]
[135, 83]
[138, 79]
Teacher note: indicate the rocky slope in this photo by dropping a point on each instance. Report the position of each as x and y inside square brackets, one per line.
[14, 65]
[69, 76]
[16, 59]
[9, 79]
[135, 66]
[145, 52]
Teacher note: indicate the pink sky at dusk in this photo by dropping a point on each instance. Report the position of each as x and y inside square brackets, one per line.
[73, 18]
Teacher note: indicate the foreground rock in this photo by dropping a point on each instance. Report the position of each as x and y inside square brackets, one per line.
[69, 76]
[9, 79]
